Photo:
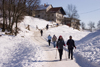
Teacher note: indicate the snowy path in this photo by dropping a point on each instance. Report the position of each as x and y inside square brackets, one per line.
[48, 60]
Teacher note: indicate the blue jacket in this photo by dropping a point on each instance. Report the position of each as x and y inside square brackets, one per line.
[49, 37]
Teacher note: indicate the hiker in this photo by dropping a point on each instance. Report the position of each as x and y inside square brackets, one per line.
[71, 45]
[60, 44]
[49, 39]
[41, 31]
[36, 27]
[47, 26]
[57, 24]
[54, 40]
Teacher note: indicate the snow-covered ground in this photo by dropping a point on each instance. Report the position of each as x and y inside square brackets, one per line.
[17, 51]
[29, 49]
[88, 50]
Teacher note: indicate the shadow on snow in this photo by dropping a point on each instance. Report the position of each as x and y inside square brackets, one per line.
[19, 55]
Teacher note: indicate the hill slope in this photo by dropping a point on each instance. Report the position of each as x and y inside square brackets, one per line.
[89, 49]
[26, 49]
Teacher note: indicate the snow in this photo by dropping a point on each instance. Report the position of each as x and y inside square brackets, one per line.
[89, 48]
[33, 22]
[29, 49]
[66, 31]
[17, 51]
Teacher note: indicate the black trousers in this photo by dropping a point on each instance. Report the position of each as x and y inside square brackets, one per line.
[70, 52]
[41, 34]
[49, 42]
[60, 53]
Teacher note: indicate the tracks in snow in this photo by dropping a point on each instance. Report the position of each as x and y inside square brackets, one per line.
[50, 53]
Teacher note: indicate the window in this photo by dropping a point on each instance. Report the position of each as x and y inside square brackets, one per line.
[52, 14]
[38, 15]
[72, 21]
[48, 19]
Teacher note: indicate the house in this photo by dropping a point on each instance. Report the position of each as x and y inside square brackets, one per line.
[49, 13]
[74, 23]
[56, 14]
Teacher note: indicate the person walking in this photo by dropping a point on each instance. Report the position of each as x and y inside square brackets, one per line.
[71, 45]
[54, 40]
[49, 39]
[36, 27]
[47, 26]
[57, 24]
[41, 31]
[60, 44]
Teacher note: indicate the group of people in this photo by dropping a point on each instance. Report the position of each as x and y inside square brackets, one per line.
[41, 31]
[47, 27]
[53, 40]
[60, 43]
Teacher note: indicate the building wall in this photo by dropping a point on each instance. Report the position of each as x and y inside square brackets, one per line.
[74, 23]
[43, 14]
[33, 13]
[51, 17]
[59, 18]
[50, 6]
[40, 14]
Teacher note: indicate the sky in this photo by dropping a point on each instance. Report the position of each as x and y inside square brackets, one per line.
[88, 10]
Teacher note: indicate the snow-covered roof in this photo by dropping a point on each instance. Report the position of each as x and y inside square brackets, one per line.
[43, 7]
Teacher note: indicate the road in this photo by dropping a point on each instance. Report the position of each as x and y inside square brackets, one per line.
[51, 57]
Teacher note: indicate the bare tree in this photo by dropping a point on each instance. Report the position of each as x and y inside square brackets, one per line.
[71, 12]
[32, 5]
[14, 11]
[83, 25]
[91, 25]
[4, 9]
[19, 10]
[98, 25]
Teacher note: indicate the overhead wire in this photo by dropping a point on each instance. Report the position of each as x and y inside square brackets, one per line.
[91, 11]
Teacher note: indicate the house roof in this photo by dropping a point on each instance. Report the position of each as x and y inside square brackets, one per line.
[43, 7]
[56, 9]
[67, 18]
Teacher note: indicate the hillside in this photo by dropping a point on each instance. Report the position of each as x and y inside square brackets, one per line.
[89, 49]
[29, 49]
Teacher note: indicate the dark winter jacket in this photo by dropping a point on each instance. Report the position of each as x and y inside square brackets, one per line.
[54, 38]
[41, 31]
[60, 43]
[70, 44]
[47, 26]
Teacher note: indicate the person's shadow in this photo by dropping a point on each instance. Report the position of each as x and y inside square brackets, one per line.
[44, 60]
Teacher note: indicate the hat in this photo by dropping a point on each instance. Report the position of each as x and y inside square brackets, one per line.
[70, 36]
[60, 36]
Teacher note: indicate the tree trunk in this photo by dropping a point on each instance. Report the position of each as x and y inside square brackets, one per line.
[16, 26]
[6, 23]
[16, 29]
[3, 29]
[9, 15]
[70, 22]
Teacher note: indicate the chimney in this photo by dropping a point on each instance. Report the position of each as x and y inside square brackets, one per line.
[45, 5]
